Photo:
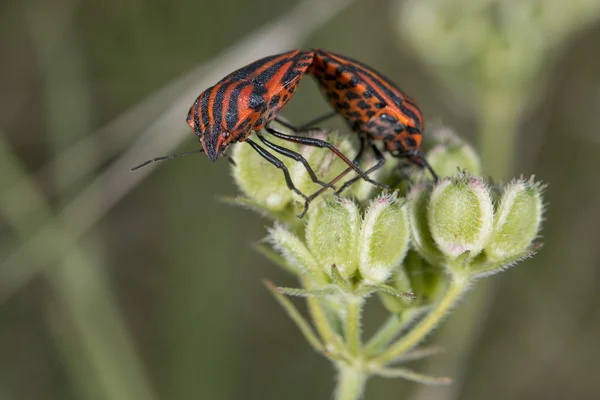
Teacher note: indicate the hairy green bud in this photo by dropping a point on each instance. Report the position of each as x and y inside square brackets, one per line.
[460, 215]
[332, 235]
[517, 221]
[384, 238]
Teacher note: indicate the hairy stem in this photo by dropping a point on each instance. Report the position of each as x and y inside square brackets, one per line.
[458, 285]
[390, 330]
[351, 382]
[319, 318]
[352, 325]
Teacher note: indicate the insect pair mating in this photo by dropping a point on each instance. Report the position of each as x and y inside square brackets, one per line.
[250, 98]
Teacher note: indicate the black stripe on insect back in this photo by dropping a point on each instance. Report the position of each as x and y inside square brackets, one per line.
[245, 72]
[218, 111]
[264, 77]
[232, 117]
[204, 107]
[196, 113]
[292, 71]
[398, 101]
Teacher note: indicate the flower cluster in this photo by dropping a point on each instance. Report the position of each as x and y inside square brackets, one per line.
[420, 248]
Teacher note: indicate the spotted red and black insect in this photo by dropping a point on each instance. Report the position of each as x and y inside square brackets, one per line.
[373, 107]
[248, 100]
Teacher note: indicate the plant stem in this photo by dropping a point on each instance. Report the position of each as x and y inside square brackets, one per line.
[319, 318]
[390, 329]
[352, 325]
[458, 285]
[351, 382]
[385, 334]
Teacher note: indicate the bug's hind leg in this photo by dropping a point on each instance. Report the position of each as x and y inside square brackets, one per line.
[296, 157]
[341, 175]
[380, 163]
[279, 164]
[309, 141]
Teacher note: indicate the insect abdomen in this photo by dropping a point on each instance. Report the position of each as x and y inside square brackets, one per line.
[358, 93]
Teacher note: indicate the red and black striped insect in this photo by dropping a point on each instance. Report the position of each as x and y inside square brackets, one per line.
[373, 107]
[248, 100]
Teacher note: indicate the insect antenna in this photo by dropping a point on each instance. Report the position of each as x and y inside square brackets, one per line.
[188, 153]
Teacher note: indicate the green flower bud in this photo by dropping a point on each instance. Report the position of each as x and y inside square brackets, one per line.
[332, 235]
[262, 183]
[452, 153]
[417, 275]
[293, 250]
[517, 221]
[426, 281]
[384, 237]
[325, 164]
[422, 241]
[460, 215]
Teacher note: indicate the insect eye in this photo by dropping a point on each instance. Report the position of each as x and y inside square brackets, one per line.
[225, 134]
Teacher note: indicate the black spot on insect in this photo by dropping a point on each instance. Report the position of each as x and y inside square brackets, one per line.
[389, 137]
[350, 95]
[368, 94]
[319, 69]
[370, 113]
[259, 122]
[285, 98]
[400, 128]
[302, 65]
[379, 105]
[341, 86]
[334, 95]
[274, 102]
[329, 77]
[338, 71]
[355, 114]
[342, 105]
[353, 81]
[410, 142]
[363, 105]
[413, 131]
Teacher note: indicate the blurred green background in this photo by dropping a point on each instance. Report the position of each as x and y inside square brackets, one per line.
[120, 285]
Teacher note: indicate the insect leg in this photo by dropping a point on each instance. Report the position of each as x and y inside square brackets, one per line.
[431, 171]
[279, 164]
[423, 160]
[341, 175]
[380, 162]
[296, 157]
[308, 141]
